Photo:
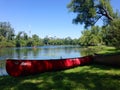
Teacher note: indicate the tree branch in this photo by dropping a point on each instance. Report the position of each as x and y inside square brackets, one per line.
[104, 12]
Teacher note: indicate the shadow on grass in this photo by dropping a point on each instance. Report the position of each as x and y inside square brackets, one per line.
[111, 51]
[93, 77]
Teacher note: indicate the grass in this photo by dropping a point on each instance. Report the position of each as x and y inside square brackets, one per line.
[103, 49]
[109, 50]
[92, 77]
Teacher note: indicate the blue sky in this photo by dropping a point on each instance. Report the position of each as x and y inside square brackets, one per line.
[42, 17]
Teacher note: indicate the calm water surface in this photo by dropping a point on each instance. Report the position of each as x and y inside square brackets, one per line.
[40, 53]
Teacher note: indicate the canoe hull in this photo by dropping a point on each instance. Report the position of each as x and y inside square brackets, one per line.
[29, 67]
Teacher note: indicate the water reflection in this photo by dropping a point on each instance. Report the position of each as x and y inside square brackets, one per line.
[87, 51]
[43, 52]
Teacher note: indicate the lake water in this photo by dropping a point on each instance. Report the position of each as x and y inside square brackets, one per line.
[40, 53]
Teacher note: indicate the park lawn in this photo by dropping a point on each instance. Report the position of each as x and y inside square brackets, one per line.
[104, 49]
[91, 77]
[109, 50]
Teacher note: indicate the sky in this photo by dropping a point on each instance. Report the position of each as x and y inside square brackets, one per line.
[42, 17]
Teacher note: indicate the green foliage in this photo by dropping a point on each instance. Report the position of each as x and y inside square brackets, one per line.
[36, 41]
[107, 35]
[58, 41]
[6, 31]
[7, 44]
[6, 35]
[46, 40]
[91, 37]
[90, 11]
[68, 41]
[9, 39]
[113, 35]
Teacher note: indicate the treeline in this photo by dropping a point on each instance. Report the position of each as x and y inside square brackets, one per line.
[106, 35]
[22, 39]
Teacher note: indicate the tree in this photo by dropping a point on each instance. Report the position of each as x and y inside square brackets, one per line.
[6, 35]
[18, 36]
[6, 30]
[113, 35]
[91, 37]
[46, 40]
[85, 38]
[21, 39]
[36, 40]
[68, 41]
[96, 36]
[90, 11]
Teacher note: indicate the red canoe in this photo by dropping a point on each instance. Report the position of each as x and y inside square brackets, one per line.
[18, 67]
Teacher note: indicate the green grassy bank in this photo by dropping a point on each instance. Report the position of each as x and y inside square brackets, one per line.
[108, 50]
[103, 49]
[92, 77]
